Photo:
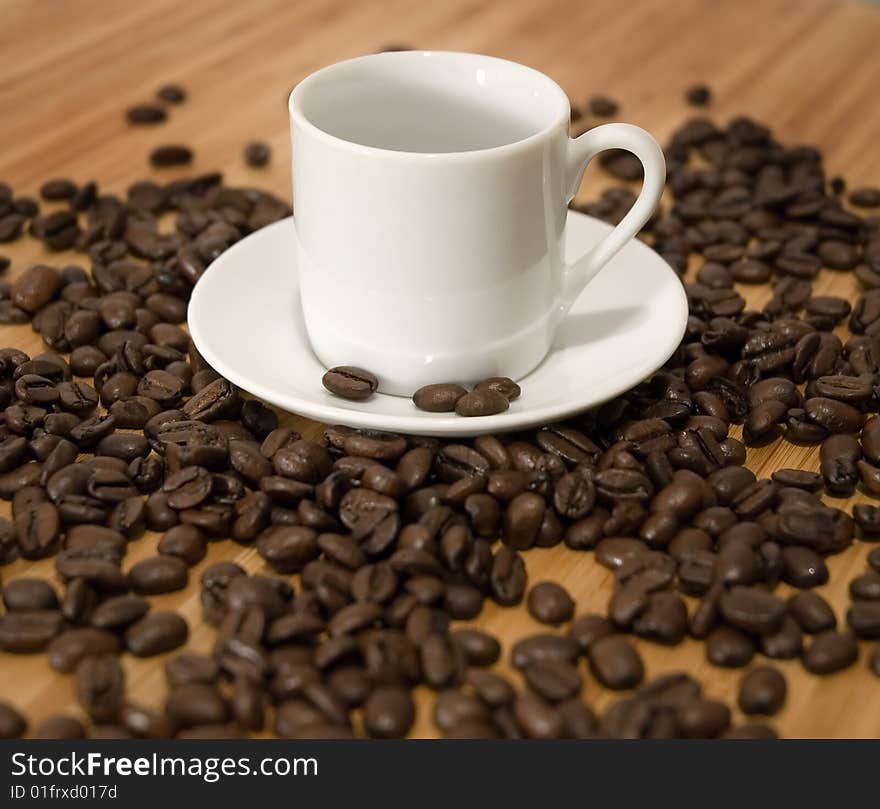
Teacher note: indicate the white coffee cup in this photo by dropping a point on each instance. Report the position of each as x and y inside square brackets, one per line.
[430, 193]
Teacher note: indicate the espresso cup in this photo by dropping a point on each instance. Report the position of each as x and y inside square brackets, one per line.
[430, 194]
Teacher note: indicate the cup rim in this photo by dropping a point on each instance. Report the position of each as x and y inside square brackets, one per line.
[294, 104]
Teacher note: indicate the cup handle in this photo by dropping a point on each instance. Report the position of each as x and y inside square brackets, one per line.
[581, 151]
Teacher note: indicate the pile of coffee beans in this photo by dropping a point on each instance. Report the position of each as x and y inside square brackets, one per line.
[376, 546]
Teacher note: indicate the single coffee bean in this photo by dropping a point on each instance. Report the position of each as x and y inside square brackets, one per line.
[171, 155]
[549, 603]
[350, 382]
[480, 648]
[29, 594]
[501, 384]
[863, 618]
[698, 96]
[537, 718]
[438, 398]
[762, 691]
[100, 686]
[171, 93]
[12, 723]
[257, 154]
[830, 651]
[158, 574]
[23, 632]
[145, 114]
[729, 647]
[60, 726]
[752, 609]
[73, 645]
[486, 402]
[615, 663]
[186, 542]
[119, 612]
[193, 704]
[389, 713]
[156, 633]
[701, 718]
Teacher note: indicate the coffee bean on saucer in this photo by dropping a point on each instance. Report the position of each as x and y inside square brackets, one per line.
[350, 382]
[257, 154]
[486, 402]
[698, 96]
[171, 155]
[503, 385]
[145, 114]
[438, 398]
[171, 93]
[603, 106]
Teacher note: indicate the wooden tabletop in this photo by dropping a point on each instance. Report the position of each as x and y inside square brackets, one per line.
[808, 68]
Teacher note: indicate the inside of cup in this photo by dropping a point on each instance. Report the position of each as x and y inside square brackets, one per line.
[430, 102]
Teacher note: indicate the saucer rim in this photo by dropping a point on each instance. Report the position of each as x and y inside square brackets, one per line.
[420, 422]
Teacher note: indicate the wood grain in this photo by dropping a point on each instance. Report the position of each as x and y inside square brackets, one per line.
[808, 68]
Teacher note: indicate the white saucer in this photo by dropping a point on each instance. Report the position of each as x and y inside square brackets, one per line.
[246, 321]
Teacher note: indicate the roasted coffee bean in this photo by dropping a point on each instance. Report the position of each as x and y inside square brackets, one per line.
[192, 704]
[67, 649]
[615, 663]
[146, 114]
[751, 609]
[480, 648]
[160, 574]
[803, 567]
[12, 723]
[554, 680]
[35, 287]
[350, 382]
[288, 548]
[171, 155]
[501, 384]
[729, 647]
[23, 632]
[812, 612]
[100, 686]
[507, 578]
[484, 402]
[156, 633]
[389, 713]
[522, 520]
[185, 542]
[762, 691]
[536, 718]
[257, 154]
[29, 594]
[863, 618]
[698, 96]
[830, 651]
[119, 612]
[549, 603]
[700, 718]
[60, 726]
[438, 398]
[785, 643]
[171, 93]
[574, 495]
